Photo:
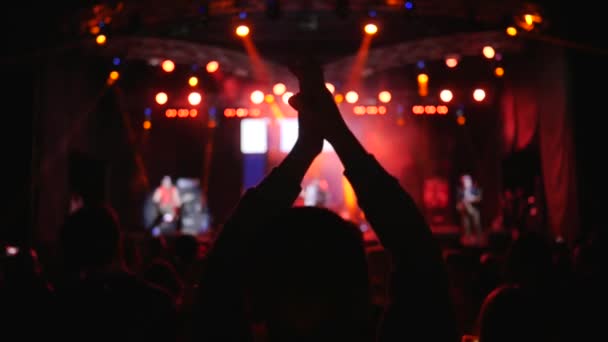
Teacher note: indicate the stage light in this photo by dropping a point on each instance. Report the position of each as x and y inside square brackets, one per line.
[339, 98]
[171, 112]
[408, 5]
[371, 29]
[242, 31]
[212, 66]
[254, 136]
[168, 65]
[161, 98]
[94, 30]
[384, 96]
[147, 124]
[446, 95]
[114, 75]
[442, 110]
[116, 61]
[330, 87]
[101, 39]
[194, 98]
[529, 19]
[257, 97]
[279, 89]
[193, 81]
[511, 31]
[269, 98]
[479, 95]
[229, 112]
[423, 82]
[423, 78]
[488, 52]
[461, 120]
[286, 97]
[351, 96]
[430, 110]
[499, 72]
[451, 61]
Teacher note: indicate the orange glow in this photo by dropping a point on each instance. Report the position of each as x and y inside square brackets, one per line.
[384, 96]
[423, 78]
[279, 89]
[488, 52]
[451, 62]
[257, 96]
[352, 96]
[168, 65]
[371, 29]
[229, 112]
[94, 30]
[350, 199]
[114, 75]
[339, 98]
[286, 97]
[183, 113]
[194, 98]
[241, 112]
[254, 112]
[430, 110]
[171, 113]
[479, 95]
[330, 87]
[371, 110]
[242, 31]
[193, 113]
[381, 110]
[418, 110]
[529, 19]
[359, 110]
[511, 31]
[446, 95]
[461, 120]
[442, 110]
[193, 81]
[147, 124]
[212, 66]
[101, 39]
[161, 98]
[269, 98]
[499, 72]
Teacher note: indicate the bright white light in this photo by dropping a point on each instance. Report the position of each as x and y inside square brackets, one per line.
[254, 136]
[289, 136]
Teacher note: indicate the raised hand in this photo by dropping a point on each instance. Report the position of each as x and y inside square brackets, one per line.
[314, 102]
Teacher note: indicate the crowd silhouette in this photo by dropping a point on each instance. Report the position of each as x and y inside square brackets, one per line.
[276, 272]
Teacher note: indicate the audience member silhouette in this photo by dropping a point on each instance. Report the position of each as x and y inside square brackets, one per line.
[277, 273]
[512, 313]
[100, 300]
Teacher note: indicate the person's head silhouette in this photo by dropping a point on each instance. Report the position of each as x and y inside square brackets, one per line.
[90, 238]
[309, 278]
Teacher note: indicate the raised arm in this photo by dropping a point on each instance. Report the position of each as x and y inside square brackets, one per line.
[420, 304]
[220, 312]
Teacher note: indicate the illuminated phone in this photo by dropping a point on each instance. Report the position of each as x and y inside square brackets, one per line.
[469, 338]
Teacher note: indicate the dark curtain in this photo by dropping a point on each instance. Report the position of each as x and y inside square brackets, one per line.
[535, 103]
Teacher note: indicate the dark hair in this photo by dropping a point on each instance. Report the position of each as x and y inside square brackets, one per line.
[90, 237]
[312, 254]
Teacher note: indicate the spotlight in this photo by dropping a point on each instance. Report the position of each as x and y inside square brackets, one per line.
[100, 39]
[371, 29]
[451, 61]
[212, 66]
[384, 96]
[446, 95]
[193, 81]
[161, 98]
[479, 95]
[351, 96]
[330, 87]
[168, 65]
[242, 31]
[511, 31]
[488, 52]
[499, 71]
[257, 96]
[279, 89]
[194, 98]
[286, 97]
